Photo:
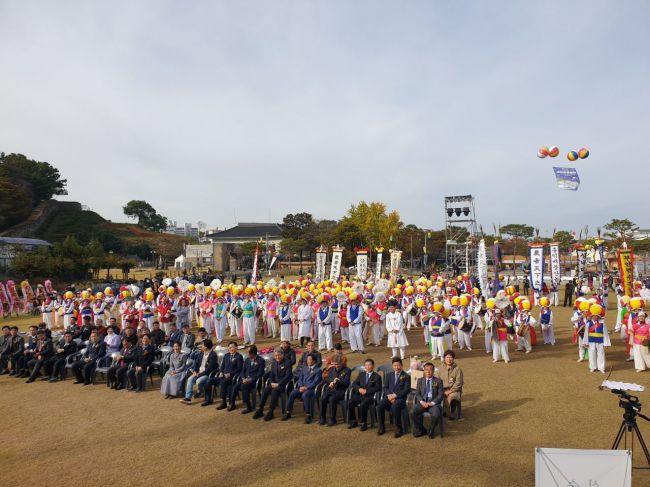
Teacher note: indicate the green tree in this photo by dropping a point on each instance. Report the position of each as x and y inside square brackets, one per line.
[517, 231]
[15, 202]
[564, 238]
[620, 230]
[146, 215]
[43, 179]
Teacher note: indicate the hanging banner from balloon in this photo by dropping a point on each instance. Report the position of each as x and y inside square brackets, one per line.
[626, 269]
[554, 249]
[379, 251]
[536, 266]
[321, 260]
[581, 256]
[483, 270]
[362, 263]
[337, 259]
[395, 257]
[567, 178]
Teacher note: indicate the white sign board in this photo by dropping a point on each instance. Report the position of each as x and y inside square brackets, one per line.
[582, 468]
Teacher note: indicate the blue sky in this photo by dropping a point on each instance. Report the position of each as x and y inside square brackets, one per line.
[243, 110]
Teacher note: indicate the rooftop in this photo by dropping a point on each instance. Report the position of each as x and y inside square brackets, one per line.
[23, 241]
[249, 230]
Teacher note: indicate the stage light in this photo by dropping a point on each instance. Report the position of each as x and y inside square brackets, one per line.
[458, 210]
[466, 211]
[450, 211]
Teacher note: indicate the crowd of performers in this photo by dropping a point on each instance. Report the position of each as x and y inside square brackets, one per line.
[449, 312]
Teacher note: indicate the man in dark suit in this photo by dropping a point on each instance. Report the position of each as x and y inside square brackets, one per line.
[310, 376]
[86, 328]
[144, 355]
[337, 382]
[55, 365]
[253, 369]
[83, 369]
[5, 346]
[311, 349]
[397, 386]
[205, 364]
[175, 334]
[19, 362]
[116, 375]
[157, 335]
[43, 351]
[231, 365]
[429, 394]
[364, 388]
[289, 354]
[279, 377]
[13, 350]
[130, 335]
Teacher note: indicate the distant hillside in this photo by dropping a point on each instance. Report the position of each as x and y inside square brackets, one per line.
[122, 238]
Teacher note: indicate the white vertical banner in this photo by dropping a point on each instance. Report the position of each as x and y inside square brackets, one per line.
[362, 263]
[379, 251]
[337, 259]
[581, 257]
[321, 260]
[483, 270]
[556, 273]
[536, 268]
[257, 254]
[395, 257]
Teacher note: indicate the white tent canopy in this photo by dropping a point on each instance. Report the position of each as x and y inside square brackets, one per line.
[179, 262]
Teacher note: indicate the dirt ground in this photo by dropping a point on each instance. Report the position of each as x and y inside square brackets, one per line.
[64, 434]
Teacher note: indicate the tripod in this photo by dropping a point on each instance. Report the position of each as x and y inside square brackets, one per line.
[629, 426]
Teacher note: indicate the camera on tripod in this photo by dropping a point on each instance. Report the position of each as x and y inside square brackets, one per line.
[632, 408]
[628, 402]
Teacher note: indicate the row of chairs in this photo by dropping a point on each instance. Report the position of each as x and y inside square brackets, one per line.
[160, 365]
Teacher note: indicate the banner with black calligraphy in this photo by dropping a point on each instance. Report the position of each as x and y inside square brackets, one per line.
[556, 274]
[395, 257]
[536, 266]
[321, 260]
[337, 259]
[626, 270]
[362, 263]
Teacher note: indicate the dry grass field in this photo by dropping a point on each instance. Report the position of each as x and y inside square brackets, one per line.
[64, 434]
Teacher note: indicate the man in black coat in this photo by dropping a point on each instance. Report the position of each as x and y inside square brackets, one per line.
[253, 369]
[83, 368]
[19, 362]
[364, 388]
[429, 394]
[14, 348]
[203, 366]
[397, 385]
[144, 355]
[280, 376]
[116, 375]
[231, 365]
[55, 364]
[43, 351]
[337, 382]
